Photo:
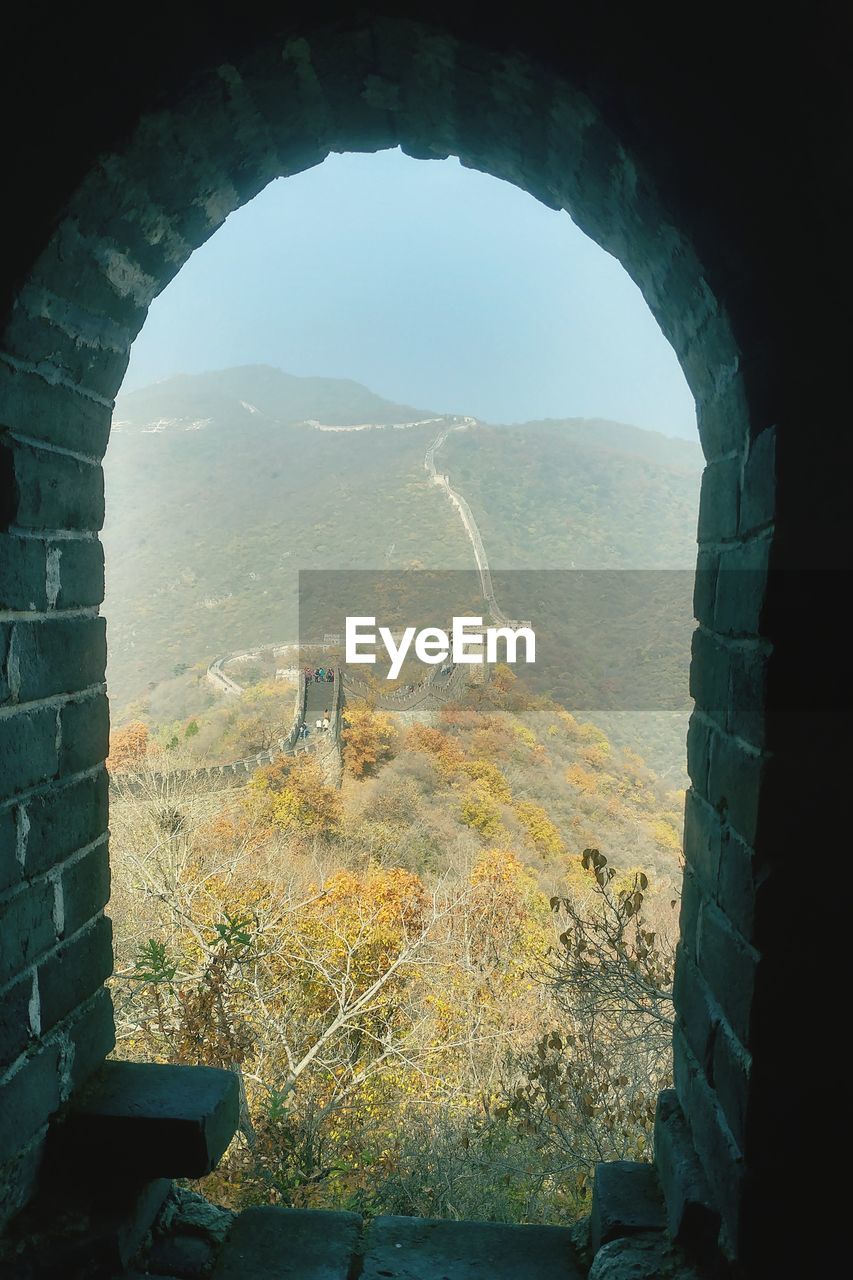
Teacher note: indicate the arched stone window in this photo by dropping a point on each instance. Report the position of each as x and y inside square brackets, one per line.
[276, 106]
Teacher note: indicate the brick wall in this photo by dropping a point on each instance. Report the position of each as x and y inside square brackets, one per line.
[583, 125]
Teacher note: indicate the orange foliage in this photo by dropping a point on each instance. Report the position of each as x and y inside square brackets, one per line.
[368, 739]
[444, 750]
[503, 677]
[584, 779]
[597, 756]
[128, 746]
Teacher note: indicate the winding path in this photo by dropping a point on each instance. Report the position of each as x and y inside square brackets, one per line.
[436, 687]
[466, 515]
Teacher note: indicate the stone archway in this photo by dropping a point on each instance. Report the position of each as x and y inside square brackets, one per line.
[126, 231]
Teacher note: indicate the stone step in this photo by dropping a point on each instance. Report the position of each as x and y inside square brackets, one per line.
[310, 1244]
[398, 1248]
[269, 1243]
[626, 1199]
[148, 1120]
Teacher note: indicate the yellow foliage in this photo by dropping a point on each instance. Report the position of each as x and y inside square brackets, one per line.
[293, 794]
[597, 755]
[488, 777]
[500, 867]
[666, 833]
[568, 721]
[478, 810]
[503, 677]
[539, 827]
[583, 779]
[591, 733]
[368, 739]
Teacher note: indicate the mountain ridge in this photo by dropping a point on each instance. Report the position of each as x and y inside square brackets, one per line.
[208, 524]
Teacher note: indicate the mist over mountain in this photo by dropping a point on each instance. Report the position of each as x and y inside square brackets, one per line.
[224, 395]
[222, 486]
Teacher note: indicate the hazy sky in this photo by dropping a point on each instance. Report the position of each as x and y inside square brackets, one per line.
[433, 285]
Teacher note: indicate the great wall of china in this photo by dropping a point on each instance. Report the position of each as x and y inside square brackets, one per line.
[411, 703]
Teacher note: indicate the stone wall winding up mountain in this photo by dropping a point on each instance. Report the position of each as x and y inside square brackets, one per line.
[219, 489]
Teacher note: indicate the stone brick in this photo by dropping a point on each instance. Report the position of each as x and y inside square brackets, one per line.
[758, 503]
[75, 266]
[92, 1036]
[65, 819]
[747, 700]
[152, 1120]
[29, 1098]
[289, 1244]
[49, 338]
[26, 928]
[147, 233]
[10, 867]
[719, 501]
[699, 753]
[164, 160]
[723, 419]
[85, 728]
[710, 668]
[728, 966]
[702, 840]
[695, 1009]
[626, 1198]
[691, 1218]
[22, 573]
[55, 491]
[5, 643]
[73, 973]
[15, 1032]
[411, 1248]
[51, 412]
[28, 748]
[59, 655]
[736, 887]
[688, 921]
[18, 1178]
[734, 784]
[721, 1160]
[81, 572]
[742, 589]
[731, 1072]
[705, 587]
[85, 888]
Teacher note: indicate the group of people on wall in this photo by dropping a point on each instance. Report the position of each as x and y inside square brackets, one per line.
[321, 724]
[320, 674]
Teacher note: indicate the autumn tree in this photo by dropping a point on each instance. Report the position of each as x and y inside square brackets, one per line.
[293, 794]
[478, 809]
[128, 746]
[369, 738]
[588, 1091]
[542, 832]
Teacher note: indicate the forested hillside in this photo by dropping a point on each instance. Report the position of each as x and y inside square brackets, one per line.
[579, 494]
[446, 986]
[219, 491]
[214, 505]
